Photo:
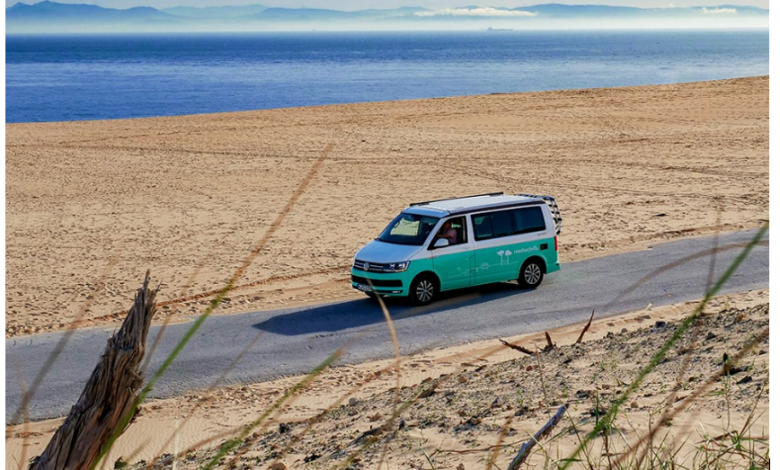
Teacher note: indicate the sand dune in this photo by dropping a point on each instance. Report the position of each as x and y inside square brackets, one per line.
[187, 430]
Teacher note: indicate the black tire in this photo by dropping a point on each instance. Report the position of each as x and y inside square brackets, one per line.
[531, 274]
[423, 290]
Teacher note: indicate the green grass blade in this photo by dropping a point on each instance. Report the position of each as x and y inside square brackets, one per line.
[607, 420]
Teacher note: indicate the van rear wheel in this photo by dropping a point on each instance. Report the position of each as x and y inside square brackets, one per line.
[423, 289]
[531, 274]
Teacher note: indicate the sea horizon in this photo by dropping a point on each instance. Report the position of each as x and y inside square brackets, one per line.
[78, 77]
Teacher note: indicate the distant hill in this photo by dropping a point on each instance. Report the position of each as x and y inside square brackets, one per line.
[80, 12]
[309, 14]
[52, 17]
[585, 11]
[215, 12]
[557, 10]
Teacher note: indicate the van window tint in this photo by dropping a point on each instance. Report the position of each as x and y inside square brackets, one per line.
[529, 220]
[483, 229]
[502, 223]
[509, 222]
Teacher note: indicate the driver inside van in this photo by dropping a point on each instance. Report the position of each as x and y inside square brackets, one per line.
[448, 233]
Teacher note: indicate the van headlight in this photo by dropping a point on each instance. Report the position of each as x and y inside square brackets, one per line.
[395, 267]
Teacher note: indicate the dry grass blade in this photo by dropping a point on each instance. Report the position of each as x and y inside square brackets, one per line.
[496, 448]
[688, 357]
[397, 351]
[109, 395]
[696, 394]
[752, 414]
[64, 340]
[25, 427]
[661, 353]
[213, 386]
[215, 302]
[246, 285]
[317, 419]
[230, 445]
[396, 364]
[281, 405]
[164, 326]
[682, 261]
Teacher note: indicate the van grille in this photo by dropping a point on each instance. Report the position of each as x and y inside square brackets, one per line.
[378, 282]
[372, 267]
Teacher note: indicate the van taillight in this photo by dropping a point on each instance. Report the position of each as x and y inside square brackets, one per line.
[556, 243]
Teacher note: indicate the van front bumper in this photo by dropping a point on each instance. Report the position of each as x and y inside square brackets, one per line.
[375, 283]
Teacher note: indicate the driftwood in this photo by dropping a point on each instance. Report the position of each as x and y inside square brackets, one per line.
[524, 450]
[108, 397]
[517, 347]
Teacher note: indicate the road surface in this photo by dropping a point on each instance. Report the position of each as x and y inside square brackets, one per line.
[293, 341]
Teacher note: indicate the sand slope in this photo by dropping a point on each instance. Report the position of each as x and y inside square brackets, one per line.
[486, 395]
[90, 206]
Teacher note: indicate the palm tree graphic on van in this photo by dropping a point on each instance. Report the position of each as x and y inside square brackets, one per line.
[504, 255]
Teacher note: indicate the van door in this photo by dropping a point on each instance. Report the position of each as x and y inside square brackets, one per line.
[494, 260]
[454, 264]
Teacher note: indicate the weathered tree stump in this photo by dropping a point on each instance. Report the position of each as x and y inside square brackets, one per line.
[108, 398]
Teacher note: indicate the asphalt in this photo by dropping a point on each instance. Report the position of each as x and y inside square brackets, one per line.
[270, 344]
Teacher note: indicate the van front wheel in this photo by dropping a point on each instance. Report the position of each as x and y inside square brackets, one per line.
[531, 274]
[423, 290]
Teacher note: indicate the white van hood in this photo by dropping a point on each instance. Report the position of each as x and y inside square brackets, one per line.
[381, 252]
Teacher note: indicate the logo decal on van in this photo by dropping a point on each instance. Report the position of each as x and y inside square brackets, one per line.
[527, 250]
[504, 255]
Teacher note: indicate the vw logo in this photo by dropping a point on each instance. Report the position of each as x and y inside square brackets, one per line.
[365, 266]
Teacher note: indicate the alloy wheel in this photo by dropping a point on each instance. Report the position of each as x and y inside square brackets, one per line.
[424, 291]
[532, 274]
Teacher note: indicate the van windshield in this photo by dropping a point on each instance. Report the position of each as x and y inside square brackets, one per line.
[408, 229]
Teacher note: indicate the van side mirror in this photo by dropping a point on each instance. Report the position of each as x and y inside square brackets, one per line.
[441, 243]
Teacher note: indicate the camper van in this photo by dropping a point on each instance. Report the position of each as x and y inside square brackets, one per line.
[437, 246]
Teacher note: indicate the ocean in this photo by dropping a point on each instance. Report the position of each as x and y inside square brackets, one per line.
[87, 77]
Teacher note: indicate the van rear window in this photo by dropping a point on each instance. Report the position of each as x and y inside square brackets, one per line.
[509, 222]
[529, 220]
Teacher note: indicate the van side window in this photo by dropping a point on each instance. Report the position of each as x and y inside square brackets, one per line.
[459, 224]
[502, 223]
[483, 229]
[529, 220]
[509, 222]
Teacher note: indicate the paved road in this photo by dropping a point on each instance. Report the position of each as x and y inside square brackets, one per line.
[293, 341]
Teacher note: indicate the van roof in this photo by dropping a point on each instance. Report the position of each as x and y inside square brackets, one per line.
[444, 207]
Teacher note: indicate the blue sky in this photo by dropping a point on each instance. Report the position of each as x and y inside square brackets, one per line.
[365, 4]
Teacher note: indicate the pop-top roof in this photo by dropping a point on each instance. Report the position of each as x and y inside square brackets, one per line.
[444, 207]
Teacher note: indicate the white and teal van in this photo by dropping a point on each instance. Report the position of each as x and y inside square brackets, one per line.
[496, 238]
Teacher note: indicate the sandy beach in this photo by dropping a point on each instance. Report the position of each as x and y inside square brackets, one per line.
[286, 197]
[90, 206]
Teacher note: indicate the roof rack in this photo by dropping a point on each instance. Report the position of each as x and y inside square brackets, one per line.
[451, 198]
